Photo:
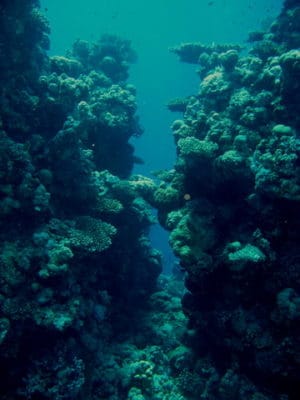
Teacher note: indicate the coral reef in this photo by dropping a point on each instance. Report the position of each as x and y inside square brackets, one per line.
[146, 364]
[83, 311]
[76, 265]
[231, 204]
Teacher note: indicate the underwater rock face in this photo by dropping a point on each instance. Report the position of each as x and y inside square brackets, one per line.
[76, 264]
[234, 215]
[81, 313]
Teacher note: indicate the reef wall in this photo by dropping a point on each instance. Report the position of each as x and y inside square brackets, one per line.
[81, 315]
[231, 204]
[76, 265]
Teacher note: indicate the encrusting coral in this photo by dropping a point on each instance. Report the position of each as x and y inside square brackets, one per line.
[76, 265]
[83, 313]
[234, 227]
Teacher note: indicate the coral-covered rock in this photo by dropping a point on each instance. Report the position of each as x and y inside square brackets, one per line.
[76, 265]
[236, 235]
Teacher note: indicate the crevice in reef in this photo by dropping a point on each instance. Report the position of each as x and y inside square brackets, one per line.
[85, 313]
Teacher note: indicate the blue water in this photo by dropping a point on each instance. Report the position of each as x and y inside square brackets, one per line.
[84, 311]
[153, 27]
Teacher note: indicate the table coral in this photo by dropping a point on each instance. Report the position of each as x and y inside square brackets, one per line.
[73, 226]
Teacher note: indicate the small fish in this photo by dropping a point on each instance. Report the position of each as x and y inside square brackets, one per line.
[210, 3]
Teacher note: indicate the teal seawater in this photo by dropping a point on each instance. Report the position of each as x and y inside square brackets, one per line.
[153, 27]
[85, 310]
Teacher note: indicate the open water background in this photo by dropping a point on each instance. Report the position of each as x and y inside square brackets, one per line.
[154, 26]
